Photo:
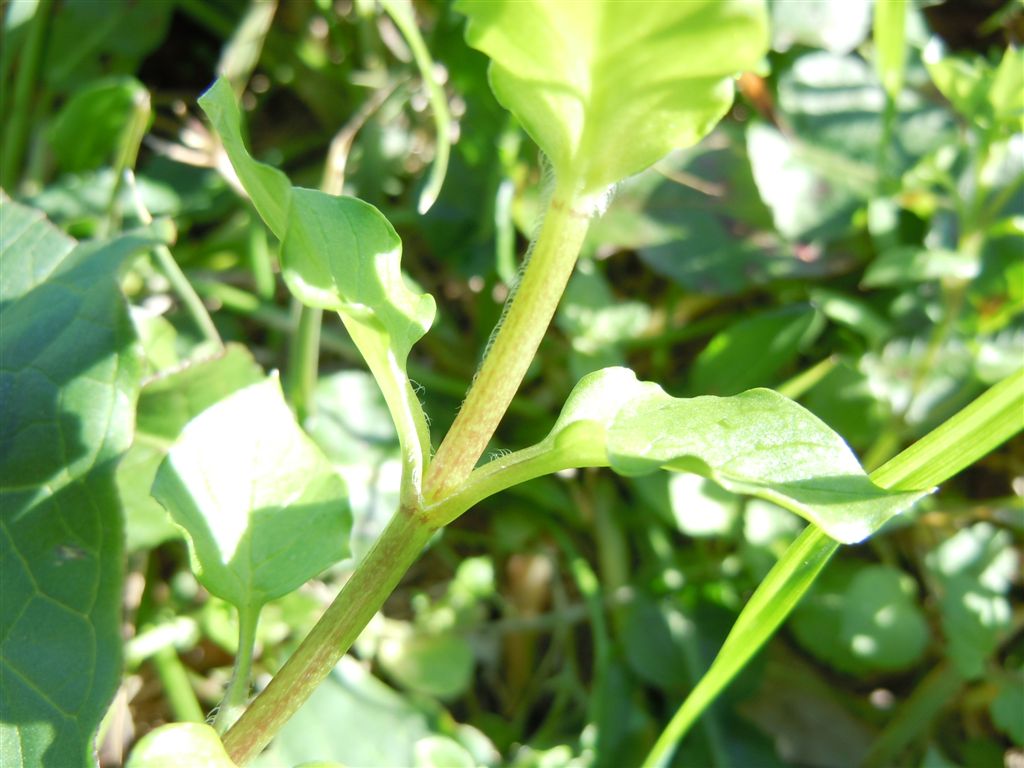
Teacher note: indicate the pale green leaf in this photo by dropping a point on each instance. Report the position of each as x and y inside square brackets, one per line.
[263, 509]
[69, 371]
[438, 664]
[607, 89]
[757, 443]
[196, 745]
[268, 187]
[342, 254]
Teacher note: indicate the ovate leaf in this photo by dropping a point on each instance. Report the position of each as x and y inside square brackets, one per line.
[606, 89]
[69, 375]
[263, 509]
[342, 254]
[758, 443]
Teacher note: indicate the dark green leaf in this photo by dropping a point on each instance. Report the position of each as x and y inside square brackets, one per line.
[69, 375]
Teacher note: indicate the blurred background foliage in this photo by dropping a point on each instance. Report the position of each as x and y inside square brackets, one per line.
[851, 235]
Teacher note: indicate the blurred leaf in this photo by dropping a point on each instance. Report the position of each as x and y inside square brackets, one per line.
[834, 106]
[975, 569]
[88, 130]
[805, 204]
[352, 427]
[751, 351]
[440, 665]
[846, 401]
[351, 718]
[93, 41]
[569, 71]
[263, 508]
[909, 264]
[69, 378]
[990, 95]
[1007, 708]
[654, 640]
[862, 620]
[838, 26]
[166, 404]
[170, 746]
[442, 752]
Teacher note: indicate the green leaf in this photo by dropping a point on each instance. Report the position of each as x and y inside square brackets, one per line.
[263, 509]
[987, 422]
[908, 264]
[268, 187]
[342, 254]
[862, 620]
[757, 443]
[751, 351]
[438, 664]
[69, 374]
[166, 404]
[442, 752]
[352, 718]
[975, 570]
[1007, 706]
[607, 89]
[193, 744]
[88, 129]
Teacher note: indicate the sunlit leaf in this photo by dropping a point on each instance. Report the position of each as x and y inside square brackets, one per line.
[758, 443]
[263, 509]
[607, 89]
[342, 254]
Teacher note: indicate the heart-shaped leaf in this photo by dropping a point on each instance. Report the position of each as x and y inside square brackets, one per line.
[263, 509]
[606, 89]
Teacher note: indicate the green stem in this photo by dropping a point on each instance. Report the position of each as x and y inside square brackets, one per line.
[238, 689]
[127, 154]
[181, 698]
[362, 596]
[304, 360]
[513, 346]
[403, 15]
[17, 127]
[169, 266]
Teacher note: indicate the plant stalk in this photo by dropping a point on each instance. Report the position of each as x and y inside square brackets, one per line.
[18, 125]
[362, 596]
[238, 689]
[304, 360]
[512, 347]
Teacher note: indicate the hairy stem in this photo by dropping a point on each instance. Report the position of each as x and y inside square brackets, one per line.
[238, 689]
[362, 596]
[515, 343]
